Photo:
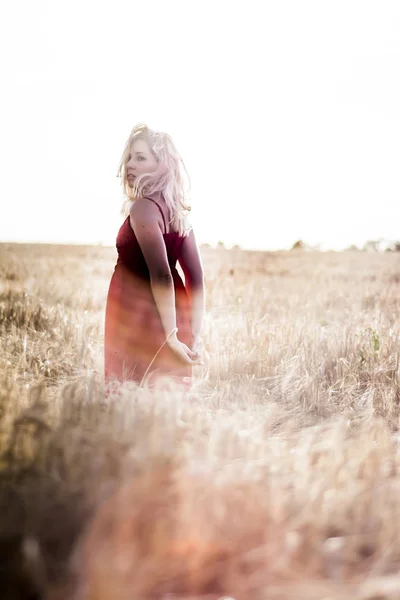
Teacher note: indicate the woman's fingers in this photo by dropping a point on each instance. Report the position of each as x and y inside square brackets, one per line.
[185, 354]
[190, 352]
[194, 357]
[197, 346]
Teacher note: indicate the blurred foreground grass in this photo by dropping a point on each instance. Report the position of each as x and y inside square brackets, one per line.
[276, 477]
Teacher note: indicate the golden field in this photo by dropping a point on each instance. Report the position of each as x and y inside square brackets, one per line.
[276, 477]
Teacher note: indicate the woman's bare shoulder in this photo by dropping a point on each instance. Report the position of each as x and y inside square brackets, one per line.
[142, 209]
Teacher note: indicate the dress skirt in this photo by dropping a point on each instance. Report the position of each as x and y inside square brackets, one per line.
[134, 333]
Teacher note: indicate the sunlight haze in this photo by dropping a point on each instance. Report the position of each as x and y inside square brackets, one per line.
[286, 115]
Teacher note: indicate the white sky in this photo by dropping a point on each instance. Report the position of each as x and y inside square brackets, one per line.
[286, 114]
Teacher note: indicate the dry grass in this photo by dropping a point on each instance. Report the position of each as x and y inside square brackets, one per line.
[276, 477]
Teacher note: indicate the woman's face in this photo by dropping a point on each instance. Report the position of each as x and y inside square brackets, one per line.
[140, 160]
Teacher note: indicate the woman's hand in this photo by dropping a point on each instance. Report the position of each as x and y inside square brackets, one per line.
[197, 346]
[187, 356]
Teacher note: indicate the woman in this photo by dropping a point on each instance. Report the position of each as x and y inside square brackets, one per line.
[153, 320]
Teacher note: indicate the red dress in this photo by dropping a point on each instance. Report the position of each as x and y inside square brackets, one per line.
[133, 328]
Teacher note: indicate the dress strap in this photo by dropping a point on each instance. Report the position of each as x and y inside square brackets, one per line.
[162, 214]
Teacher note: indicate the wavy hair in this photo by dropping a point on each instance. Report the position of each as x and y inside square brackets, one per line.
[168, 178]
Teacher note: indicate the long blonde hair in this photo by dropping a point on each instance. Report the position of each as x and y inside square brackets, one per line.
[167, 178]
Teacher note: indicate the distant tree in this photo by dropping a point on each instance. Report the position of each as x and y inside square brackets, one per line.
[299, 245]
[236, 247]
[393, 247]
[220, 245]
[353, 248]
[371, 246]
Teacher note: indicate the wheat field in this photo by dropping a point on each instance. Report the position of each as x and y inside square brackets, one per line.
[276, 477]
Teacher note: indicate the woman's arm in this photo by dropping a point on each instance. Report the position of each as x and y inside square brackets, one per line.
[143, 219]
[144, 222]
[190, 261]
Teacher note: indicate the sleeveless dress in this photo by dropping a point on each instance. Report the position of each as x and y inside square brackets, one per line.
[133, 329]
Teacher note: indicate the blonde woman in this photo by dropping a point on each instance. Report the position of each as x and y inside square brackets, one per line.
[153, 320]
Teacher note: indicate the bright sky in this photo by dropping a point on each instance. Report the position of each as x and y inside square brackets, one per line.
[286, 113]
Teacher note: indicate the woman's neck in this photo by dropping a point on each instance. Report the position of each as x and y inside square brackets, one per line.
[157, 196]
